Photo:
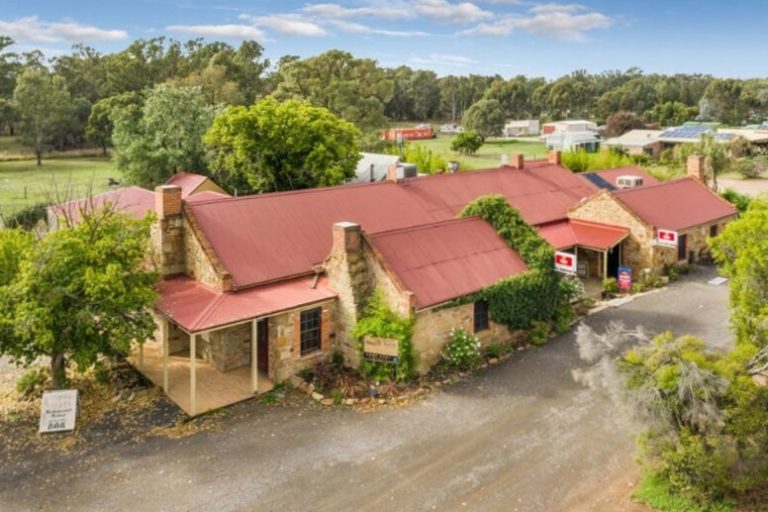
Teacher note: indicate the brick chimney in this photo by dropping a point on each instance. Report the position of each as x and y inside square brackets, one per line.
[695, 167]
[555, 157]
[167, 201]
[347, 237]
[168, 231]
[516, 161]
[392, 173]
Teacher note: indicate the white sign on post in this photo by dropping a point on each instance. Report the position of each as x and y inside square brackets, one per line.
[666, 237]
[58, 410]
[565, 262]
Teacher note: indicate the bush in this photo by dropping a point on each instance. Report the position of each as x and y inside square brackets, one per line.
[749, 168]
[610, 285]
[539, 333]
[32, 382]
[564, 317]
[27, 218]
[655, 490]
[462, 351]
[467, 143]
[581, 161]
[494, 351]
[740, 201]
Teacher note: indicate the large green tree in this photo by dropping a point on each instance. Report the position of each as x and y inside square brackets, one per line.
[45, 109]
[354, 89]
[486, 118]
[77, 293]
[162, 137]
[98, 130]
[273, 146]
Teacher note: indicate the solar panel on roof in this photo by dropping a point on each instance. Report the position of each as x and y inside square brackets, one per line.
[599, 181]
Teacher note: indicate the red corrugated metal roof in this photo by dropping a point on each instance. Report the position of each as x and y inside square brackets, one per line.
[134, 201]
[676, 205]
[268, 237]
[442, 261]
[591, 235]
[196, 307]
[187, 181]
[208, 195]
[611, 175]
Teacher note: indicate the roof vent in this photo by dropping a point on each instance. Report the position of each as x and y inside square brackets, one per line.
[629, 181]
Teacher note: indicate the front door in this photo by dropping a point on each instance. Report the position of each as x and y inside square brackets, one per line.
[614, 261]
[262, 345]
[682, 247]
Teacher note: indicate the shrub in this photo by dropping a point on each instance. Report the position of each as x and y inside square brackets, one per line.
[462, 351]
[27, 218]
[749, 168]
[539, 333]
[467, 143]
[493, 351]
[564, 317]
[32, 382]
[610, 285]
[740, 201]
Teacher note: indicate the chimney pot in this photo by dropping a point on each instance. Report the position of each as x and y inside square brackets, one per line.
[555, 157]
[347, 237]
[167, 201]
[393, 173]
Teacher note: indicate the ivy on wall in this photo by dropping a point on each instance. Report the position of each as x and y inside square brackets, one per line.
[537, 295]
[380, 321]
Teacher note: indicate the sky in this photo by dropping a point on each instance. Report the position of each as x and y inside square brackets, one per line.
[505, 37]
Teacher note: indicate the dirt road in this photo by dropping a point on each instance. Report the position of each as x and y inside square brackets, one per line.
[522, 436]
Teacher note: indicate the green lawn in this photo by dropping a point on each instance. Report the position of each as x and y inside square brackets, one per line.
[22, 183]
[489, 154]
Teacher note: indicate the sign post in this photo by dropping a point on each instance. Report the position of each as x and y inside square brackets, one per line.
[58, 410]
[566, 263]
[384, 350]
[666, 237]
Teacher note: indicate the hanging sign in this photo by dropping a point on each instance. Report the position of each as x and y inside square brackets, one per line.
[565, 262]
[58, 410]
[666, 238]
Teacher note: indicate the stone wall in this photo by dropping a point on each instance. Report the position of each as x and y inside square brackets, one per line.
[399, 300]
[696, 243]
[168, 245]
[432, 330]
[285, 357]
[227, 349]
[199, 264]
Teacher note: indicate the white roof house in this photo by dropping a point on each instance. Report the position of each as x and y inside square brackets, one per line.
[635, 139]
[374, 166]
[572, 141]
[570, 126]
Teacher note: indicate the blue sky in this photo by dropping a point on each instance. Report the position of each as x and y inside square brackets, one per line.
[507, 37]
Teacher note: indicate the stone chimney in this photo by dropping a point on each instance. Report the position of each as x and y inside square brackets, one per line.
[167, 201]
[516, 161]
[392, 173]
[349, 276]
[695, 167]
[555, 157]
[168, 232]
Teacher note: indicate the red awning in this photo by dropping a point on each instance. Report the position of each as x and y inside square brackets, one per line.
[590, 235]
[196, 307]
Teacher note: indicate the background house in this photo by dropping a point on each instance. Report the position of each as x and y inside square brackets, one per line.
[521, 128]
[638, 142]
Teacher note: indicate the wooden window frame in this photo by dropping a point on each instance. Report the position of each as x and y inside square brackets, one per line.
[310, 330]
[481, 307]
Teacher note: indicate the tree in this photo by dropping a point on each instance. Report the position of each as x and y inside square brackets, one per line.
[272, 146]
[486, 118]
[162, 137]
[716, 160]
[76, 294]
[424, 93]
[98, 130]
[354, 89]
[467, 143]
[724, 98]
[217, 88]
[622, 122]
[671, 113]
[44, 107]
[9, 116]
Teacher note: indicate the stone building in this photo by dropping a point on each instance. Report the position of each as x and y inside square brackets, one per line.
[257, 288]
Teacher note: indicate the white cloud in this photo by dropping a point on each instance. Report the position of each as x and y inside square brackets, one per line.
[563, 21]
[225, 31]
[32, 28]
[440, 10]
[445, 11]
[287, 24]
[359, 28]
[337, 11]
[444, 60]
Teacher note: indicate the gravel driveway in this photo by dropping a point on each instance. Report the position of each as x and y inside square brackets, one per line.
[522, 436]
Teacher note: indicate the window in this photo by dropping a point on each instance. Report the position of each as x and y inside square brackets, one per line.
[310, 330]
[713, 230]
[682, 247]
[481, 316]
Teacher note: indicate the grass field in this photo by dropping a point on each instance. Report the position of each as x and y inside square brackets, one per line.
[22, 183]
[12, 149]
[489, 154]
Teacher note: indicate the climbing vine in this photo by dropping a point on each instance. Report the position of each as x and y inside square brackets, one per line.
[538, 295]
[380, 321]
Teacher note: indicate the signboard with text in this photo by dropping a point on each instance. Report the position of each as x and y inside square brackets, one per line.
[624, 278]
[565, 262]
[58, 410]
[666, 238]
[381, 349]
